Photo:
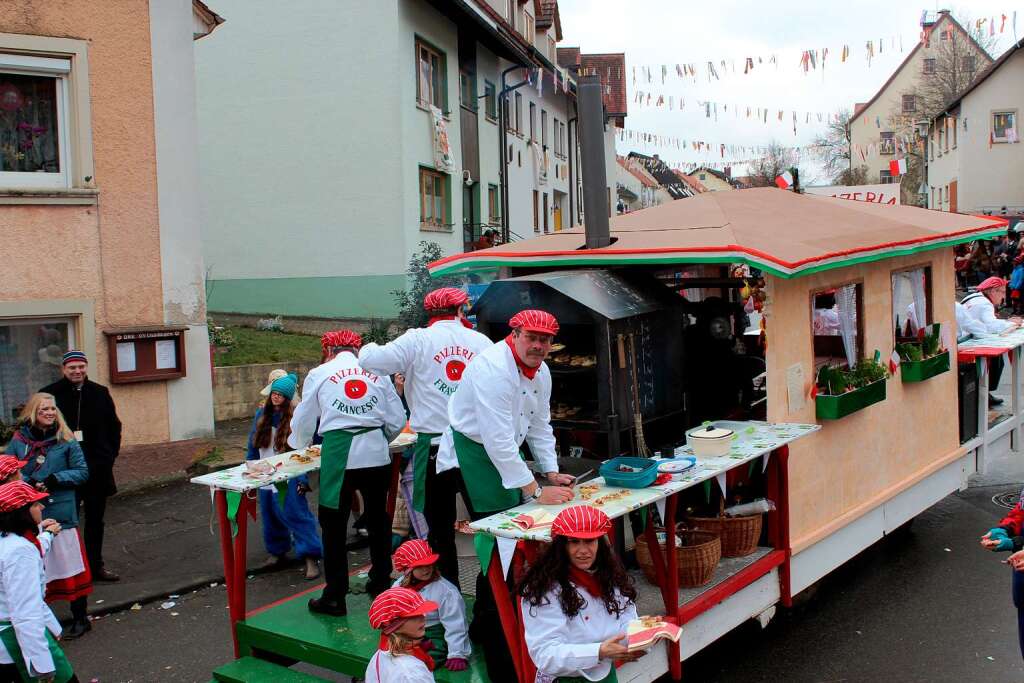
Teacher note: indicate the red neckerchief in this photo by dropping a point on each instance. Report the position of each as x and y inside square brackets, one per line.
[586, 581]
[35, 448]
[417, 652]
[415, 584]
[527, 371]
[438, 318]
[34, 538]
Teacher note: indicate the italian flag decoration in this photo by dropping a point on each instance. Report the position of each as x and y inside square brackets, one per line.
[894, 362]
[784, 181]
[898, 167]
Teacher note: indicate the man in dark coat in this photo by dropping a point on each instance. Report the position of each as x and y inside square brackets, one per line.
[90, 413]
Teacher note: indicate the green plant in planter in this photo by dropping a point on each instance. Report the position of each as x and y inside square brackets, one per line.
[835, 380]
[909, 352]
[866, 372]
[931, 345]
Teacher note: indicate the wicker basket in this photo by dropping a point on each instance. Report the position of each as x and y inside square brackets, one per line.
[696, 559]
[739, 535]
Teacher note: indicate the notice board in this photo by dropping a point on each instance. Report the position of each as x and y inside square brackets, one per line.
[146, 354]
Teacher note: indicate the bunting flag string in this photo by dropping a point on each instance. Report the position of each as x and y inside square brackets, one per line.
[719, 149]
[711, 109]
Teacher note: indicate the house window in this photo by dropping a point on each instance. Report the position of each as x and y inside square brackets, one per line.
[543, 128]
[909, 104]
[953, 130]
[886, 143]
[536, 211]
[1004, 126]
[467, 90]
[530, 31]
[545, 207]
[555, 129]
[551, 49]
[929, 66]
[968, 63]
[431, 84]
[517, 120]
[511, 9]
[490, 102]
[34, 144]
[885, 176]
[911, 302]
[30, 353]
[703, 176]
[942, 137]
[836, 316]
[946, 134]
[433, 200]
[493, 205]
[533, 122]
[945, 197]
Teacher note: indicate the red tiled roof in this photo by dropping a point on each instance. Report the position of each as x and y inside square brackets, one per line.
[547, 14]
[568, 57]
[696, 185]
[644, 180]
[611, 67]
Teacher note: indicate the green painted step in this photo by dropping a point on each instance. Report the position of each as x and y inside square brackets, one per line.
[252, 670]
[342, 644]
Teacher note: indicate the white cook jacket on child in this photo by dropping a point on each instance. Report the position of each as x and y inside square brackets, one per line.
[497, 406]
[384, 667]
[450, 613]
[563, 646]
[432, 360]
[22, 584]
[345, 396]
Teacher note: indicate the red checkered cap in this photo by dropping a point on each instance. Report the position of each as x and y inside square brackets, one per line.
[18, 494]
[446, 297]
[9, 465]
[533, 320]
[337, 338]
[580, 521]
[415, 553]
[398, 603]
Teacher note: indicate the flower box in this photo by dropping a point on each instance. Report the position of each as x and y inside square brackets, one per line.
[920, 370]
[829, 407]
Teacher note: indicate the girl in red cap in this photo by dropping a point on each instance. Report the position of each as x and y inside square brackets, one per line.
[398, 613]
[578, 601]
[28, 628]
[446, 628]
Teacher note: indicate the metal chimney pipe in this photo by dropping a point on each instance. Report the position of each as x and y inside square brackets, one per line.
[592, 169]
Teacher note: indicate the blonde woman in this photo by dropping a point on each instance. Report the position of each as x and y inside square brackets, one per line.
[54, 464]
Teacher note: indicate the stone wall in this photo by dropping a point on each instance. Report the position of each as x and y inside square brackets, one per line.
[236, 389]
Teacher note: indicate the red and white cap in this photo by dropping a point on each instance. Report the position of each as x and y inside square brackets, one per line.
[415, 553]
[18, 494]
[446, 297]
[397, 603]
[991, 283]
[533, 320]
[9, 465]
[337, 338]
[580, 521]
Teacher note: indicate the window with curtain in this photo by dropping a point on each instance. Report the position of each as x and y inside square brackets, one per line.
[835, 324]
[911, 302]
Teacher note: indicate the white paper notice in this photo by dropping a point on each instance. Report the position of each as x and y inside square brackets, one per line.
[166, 354]
[795, 387]
[126, 357]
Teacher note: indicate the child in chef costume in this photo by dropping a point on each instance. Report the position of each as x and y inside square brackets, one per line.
[398, 613]
[577, 601]
[446, 628]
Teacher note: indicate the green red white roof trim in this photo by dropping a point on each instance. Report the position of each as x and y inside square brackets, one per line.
[774, 230]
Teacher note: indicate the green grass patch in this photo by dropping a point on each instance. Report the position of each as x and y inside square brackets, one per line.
[262, 346]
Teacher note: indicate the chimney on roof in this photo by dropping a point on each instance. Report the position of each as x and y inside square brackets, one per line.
[595, 180]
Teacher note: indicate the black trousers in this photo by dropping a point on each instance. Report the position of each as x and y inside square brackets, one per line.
[9, 674]
[995, 372]
[92, 499]
[440, 511]
[372, 483]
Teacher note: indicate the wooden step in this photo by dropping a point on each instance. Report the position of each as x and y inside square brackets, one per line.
[253, 670]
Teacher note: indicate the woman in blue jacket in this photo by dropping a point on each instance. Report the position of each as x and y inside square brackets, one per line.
[289, 522]
[54, 463]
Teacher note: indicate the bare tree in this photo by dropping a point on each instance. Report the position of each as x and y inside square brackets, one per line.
[776, 160]
[832, 147]
[852, 176]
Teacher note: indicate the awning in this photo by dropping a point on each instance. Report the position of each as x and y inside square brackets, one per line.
[781, 232]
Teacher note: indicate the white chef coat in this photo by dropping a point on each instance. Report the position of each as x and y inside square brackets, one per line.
[22, 584]
[563, 646]
[400, 669]
[432, 360]
[979, 308]
[497, 406]
[450, 613]
[345, 396]
[965, 324]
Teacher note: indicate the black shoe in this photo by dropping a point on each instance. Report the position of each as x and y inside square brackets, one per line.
[994, 400]
[333, 608]
[105, 574]
[78, 628]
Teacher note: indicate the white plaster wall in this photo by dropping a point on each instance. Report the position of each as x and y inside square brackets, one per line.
[190, 399]
[302, 117]
[630, 182]
[942, 170]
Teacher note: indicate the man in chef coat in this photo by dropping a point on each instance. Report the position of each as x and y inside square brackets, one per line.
[504, 400]
[980, 307]
[359, 413]
[432, 359]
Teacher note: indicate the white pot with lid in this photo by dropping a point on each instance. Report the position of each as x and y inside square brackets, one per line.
[710, 441]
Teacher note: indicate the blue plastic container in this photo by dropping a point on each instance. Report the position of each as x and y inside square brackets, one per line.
[647, 472]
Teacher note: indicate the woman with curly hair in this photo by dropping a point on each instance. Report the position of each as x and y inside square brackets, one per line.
[577, 601]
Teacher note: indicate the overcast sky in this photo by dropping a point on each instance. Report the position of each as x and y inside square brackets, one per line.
[655, 32]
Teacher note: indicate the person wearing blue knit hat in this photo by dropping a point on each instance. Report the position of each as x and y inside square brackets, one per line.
[288, 524]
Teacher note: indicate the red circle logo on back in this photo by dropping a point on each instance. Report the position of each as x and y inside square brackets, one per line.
[355, 388]
[454, 370]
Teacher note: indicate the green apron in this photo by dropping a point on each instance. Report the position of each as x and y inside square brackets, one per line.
[439, 651]
[483, 482]
[63, 672]
[420, 462]
[610, 678]
[333, 461]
